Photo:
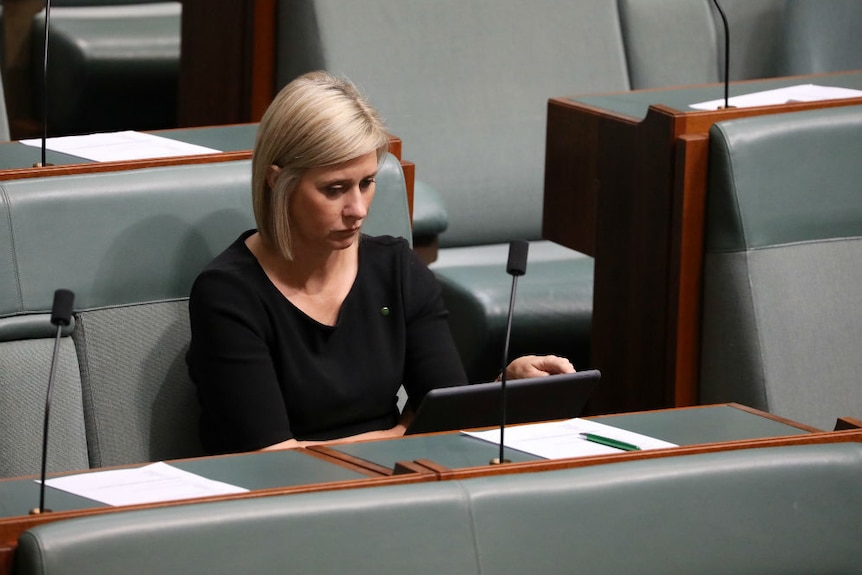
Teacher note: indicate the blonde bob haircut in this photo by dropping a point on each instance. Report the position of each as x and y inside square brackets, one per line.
[317, 120]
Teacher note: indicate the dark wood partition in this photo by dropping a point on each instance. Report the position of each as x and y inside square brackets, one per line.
[227, 62]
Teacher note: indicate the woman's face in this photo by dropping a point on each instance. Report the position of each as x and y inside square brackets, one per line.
[330, 204]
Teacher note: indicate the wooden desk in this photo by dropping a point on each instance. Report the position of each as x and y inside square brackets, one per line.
[699, 429]
[625, 181]
[263, 473]
[420, 458]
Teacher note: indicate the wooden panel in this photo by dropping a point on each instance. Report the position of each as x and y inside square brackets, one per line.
[227, 62]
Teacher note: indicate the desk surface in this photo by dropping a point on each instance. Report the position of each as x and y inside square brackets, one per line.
[280, 469]
[686, 426]
[636, 103]
[254, 471]
[234, 138]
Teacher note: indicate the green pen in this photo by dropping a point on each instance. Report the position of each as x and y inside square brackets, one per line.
[610, 442]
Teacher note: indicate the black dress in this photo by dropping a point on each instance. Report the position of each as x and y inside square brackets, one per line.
[265, 372]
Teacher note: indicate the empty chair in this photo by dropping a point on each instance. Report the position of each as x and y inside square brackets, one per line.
[782, 320]
[669, 42]
[113, 65]
[820, 36]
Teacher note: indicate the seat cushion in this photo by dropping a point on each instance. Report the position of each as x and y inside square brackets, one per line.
[553, 307]
[111, 67]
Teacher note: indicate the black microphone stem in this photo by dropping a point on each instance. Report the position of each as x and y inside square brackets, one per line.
[502, 459]
[47, 417]
[726, 54]
[45, 85]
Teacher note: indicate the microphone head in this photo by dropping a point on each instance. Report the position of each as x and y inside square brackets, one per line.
[517, 264]
[61, 312]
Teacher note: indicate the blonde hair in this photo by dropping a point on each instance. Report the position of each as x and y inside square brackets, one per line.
[317, 120]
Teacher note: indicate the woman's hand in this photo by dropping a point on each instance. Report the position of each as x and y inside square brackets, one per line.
[537, 366]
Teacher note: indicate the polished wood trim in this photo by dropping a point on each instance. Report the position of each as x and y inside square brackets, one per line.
[685, 284]
[845, 423]
[557, 464]
[349, 461]
[124, 165]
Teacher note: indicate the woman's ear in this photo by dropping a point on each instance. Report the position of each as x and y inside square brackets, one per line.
[272, 176]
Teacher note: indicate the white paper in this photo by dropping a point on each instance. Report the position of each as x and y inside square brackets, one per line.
[120, 146]
[562, 439]
[148, 484]
[800, 93]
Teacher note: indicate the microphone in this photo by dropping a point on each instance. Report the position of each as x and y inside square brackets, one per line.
[726, 54]
[44, 161]
[516, 266]
[61, 316]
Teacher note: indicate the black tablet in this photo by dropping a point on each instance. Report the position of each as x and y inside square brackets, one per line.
[528, 400]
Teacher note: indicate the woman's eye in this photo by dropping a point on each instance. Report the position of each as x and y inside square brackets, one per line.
[366, 183]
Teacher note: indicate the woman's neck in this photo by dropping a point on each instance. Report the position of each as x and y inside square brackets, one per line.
[317, 282]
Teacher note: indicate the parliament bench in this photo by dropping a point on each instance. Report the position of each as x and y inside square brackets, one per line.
[770, 510]
[129, 244]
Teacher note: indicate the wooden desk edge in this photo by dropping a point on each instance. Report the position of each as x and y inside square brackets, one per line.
[852, 435]
[12, 527]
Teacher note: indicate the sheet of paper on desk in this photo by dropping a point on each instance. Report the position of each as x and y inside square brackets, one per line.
[800, 93]
[120, 146]
[148, 484]
[562, 439]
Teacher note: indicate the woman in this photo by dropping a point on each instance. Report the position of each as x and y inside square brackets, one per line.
[304, 329]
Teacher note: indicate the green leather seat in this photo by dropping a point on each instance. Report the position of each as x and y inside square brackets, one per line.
[669, 42]
[782, 320]
[129, 244]
[749, 512]
[818, 36]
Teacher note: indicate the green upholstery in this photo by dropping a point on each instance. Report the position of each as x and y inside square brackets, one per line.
[761, 511]
[111, 67]
[430, 217]
[25, 364]
[669, 42]
[755, 37]
[782, 324]
[129, 245]
[465, 86]
[553, 305]
[820, 36]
